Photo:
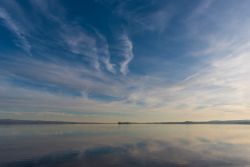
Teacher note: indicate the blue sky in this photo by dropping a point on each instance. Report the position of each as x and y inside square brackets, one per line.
[129, 60]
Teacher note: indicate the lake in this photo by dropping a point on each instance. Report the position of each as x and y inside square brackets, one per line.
[125, 145]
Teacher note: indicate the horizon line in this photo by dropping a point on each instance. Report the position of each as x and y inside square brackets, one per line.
[20, 121]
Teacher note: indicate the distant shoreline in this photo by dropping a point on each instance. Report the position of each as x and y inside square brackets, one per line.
[41, 122]
[188, 123]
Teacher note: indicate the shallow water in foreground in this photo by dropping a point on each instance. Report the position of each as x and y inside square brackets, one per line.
[125, 145]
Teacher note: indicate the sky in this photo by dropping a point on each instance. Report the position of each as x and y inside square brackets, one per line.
[125, 60]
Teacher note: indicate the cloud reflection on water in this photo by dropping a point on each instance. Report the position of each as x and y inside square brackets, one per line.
[143, 153]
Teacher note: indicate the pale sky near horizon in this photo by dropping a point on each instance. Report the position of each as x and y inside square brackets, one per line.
[125, 60]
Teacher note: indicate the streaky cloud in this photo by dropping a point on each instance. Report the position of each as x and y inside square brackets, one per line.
[13, 26]
[126, 51]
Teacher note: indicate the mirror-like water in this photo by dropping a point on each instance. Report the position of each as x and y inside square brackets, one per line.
[125, 145]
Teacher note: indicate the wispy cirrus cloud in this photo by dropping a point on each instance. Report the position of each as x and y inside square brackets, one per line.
[104, 53]
[59, 77]
[149, 16]
[13, 26]
[84, 41]
[211, 89]
[78, 40]
[69, 35]
[125, 50]
[81, 43]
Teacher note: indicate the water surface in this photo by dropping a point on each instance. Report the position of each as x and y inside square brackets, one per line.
[125, 145]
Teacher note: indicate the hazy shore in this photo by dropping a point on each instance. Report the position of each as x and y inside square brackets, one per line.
[41, 122]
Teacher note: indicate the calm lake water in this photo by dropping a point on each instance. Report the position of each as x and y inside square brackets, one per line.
[125, 145]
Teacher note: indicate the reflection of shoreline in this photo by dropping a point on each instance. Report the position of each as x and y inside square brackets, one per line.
[40, 122]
